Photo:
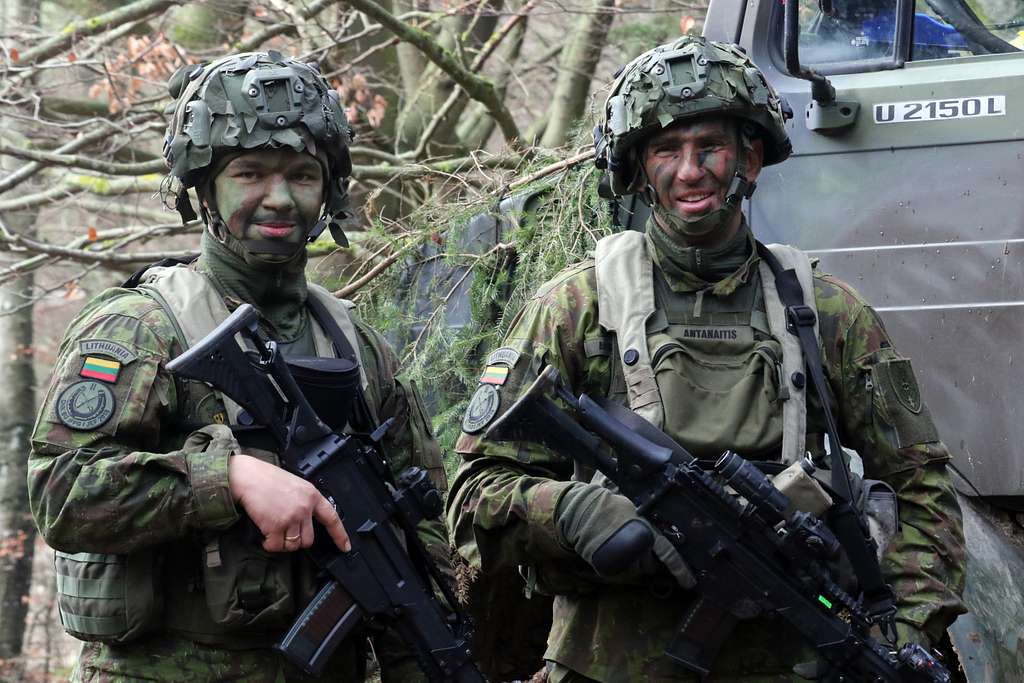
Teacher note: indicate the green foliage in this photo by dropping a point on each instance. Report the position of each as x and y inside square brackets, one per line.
[421, 305]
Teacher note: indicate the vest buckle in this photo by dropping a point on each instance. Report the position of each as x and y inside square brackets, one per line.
[799, 316]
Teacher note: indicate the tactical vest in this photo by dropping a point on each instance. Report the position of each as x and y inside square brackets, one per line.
[724, 367]
[221, 589]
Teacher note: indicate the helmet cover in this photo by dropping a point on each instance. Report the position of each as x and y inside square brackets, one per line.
[684, 79]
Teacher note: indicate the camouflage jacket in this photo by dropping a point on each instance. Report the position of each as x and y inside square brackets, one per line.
[125, 483]
[503, 502]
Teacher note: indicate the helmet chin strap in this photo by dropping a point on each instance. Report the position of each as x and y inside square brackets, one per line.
[740, 188]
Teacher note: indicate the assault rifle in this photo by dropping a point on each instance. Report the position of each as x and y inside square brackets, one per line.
[378, 580]
[748, 557]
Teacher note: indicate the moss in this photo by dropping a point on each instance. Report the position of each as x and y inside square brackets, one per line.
[93, 184]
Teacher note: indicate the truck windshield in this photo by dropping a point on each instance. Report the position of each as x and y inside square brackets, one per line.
[864, 30]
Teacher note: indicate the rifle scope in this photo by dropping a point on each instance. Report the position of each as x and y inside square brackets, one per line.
[754, 485]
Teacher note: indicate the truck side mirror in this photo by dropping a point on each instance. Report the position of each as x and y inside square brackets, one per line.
[825, 114]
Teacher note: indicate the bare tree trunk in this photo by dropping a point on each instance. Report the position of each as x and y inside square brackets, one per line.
[205, 25]
[576, 69]
[476, 126]
[17, 412]
[434, 85]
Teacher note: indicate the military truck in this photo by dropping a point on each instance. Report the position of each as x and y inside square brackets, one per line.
[907, 180]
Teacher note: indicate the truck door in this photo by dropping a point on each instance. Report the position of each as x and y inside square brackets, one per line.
[917, 197]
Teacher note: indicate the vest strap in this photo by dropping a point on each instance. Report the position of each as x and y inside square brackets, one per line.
[623, 264]
[794, 406]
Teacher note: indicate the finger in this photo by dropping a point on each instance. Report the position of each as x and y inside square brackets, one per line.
[328, 516]
[273, 542]
[307, 533]
[293, 538]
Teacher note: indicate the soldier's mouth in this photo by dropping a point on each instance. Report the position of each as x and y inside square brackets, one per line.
[695, 203]
[275, 229]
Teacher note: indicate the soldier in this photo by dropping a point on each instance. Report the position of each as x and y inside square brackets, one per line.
[682, 324]
[139, 479]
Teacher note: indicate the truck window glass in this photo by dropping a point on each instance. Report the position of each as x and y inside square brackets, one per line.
[864, 30]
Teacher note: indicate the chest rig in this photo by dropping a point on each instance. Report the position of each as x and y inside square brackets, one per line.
[223, 589]
[196, 308]
[713, 372]
[732, 376]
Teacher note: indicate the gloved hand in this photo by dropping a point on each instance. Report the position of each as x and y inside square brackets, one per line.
[604, 529]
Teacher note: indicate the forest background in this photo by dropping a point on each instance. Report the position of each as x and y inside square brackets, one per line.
[462, 109]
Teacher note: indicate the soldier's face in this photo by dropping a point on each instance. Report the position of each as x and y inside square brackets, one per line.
[691, 164]
[270, 194]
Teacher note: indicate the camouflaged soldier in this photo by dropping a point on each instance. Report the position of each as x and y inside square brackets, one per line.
[140, 480]
[683, 324]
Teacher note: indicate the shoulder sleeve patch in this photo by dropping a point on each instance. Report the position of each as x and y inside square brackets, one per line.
[85, 405]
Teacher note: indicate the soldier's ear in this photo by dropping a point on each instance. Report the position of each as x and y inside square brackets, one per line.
[755, 158]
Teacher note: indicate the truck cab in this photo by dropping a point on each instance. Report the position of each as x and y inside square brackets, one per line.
[908, 183]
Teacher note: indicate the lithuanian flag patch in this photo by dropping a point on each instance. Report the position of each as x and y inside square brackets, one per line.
[494, 374]
[100, 368]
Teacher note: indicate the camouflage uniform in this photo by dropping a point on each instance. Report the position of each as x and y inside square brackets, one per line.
[129, 461]
[504, 503]
[128, 485]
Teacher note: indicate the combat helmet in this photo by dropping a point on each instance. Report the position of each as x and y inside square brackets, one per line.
[251, 101]
[689, 77]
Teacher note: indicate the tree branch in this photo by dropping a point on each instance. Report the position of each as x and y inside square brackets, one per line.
[480, 89]
[87, 163]
[10, 241]
[67, 36]
[29, 170]
[553, 168]
[308, 12]
[485, 52]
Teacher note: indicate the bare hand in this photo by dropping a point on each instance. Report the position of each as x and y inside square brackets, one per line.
[282, 505]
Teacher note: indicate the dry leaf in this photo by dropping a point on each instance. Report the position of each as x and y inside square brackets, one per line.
[92, 234]
[15, 55]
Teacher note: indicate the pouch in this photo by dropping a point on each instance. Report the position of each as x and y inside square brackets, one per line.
[109, 598]
[247, 587]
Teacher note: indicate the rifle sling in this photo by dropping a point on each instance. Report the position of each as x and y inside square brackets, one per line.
[847, 521]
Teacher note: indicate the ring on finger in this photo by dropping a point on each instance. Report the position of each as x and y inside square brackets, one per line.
[292, 539]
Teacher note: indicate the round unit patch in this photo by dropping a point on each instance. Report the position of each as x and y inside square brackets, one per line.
[85, 405]
[482, 407]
